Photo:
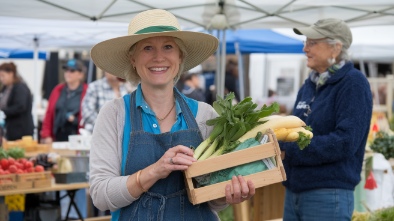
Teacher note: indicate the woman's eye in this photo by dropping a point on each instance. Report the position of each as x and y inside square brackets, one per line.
[148, 48]
[168, 46]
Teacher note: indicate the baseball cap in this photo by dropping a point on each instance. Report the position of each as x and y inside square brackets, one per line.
[328, 28]
[74, 64]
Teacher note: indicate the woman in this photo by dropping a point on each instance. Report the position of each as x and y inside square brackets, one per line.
[336, 102]
[16, 103]
[63, 115]
[140, 143]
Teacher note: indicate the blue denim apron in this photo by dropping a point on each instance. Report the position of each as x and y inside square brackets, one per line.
[167, 199]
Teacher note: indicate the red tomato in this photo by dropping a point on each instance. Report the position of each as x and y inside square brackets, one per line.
[2, 172]
[22, 160]
[4, 163]
[11, 161]
[39, 168]
[19, 165]
[28, 164]
[19, 171]
[12, 169]
[30, 170]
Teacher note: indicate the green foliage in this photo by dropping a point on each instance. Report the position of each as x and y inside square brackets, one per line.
[227, 214]
[383, 215]
[384, 144]
[386, 214]
[16, 152]
[3, 153]
[303, 140]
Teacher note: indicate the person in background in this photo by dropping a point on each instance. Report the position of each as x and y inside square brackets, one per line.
[191, 84]
[140, 142]
[63, 114]
[16, 103]
[336, 102]
[99, 92]
[231, 82]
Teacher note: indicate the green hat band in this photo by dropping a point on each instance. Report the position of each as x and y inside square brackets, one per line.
[155, 29]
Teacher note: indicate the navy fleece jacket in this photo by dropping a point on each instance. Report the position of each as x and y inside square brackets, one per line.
[340, 118]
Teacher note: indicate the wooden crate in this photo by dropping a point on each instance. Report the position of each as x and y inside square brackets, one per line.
[16, 185]
[6, 178]
[215, 191]
[33, 176]
[42, 183]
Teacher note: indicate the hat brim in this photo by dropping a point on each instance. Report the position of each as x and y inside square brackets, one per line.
[112, 55]
[309, 32]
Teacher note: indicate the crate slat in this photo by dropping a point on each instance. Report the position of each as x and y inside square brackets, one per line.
[33, 176]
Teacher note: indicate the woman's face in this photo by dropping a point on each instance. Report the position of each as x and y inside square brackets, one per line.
[318, 51]
[6, 78]
[157, 60]
[72, 76]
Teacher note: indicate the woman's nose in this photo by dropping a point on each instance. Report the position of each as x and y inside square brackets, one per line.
[159, 55]
[305, 48]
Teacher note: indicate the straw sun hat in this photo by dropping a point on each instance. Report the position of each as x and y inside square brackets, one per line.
[112, 55]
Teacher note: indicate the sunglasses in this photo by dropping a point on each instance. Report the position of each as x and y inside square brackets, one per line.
[71, 70]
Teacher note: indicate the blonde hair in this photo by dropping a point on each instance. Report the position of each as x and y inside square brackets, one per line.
[132, 76]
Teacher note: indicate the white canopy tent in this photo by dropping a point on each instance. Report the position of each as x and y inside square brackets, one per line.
[199, 13]
[54, 24]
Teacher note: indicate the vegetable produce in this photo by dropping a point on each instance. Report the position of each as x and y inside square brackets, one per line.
[286, 128]
[231, 124]
[3, 153]
[16, 152]
[64, 165]
[384, 144]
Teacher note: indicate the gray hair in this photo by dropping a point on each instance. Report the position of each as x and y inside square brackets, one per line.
[344, 55]
[132, 75]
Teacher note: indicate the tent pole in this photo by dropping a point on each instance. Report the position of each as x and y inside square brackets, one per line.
[36, 93]
[223, 64]
[240, 72]
[90, 71]
[266, 77]
[218, 67]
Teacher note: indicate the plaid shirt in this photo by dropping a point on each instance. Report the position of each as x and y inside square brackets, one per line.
[98, 93]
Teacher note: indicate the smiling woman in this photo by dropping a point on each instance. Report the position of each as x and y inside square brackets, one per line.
[141, 142]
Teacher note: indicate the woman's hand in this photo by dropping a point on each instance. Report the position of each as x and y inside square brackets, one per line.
[176, 158]
[241, 190]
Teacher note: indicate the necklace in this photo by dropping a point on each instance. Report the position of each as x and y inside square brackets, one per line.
[160, 119]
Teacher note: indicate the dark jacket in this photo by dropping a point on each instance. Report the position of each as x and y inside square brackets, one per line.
[340, 118]
[49, 119]
[19, 119]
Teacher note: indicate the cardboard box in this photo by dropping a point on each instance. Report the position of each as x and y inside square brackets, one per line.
[251, 154]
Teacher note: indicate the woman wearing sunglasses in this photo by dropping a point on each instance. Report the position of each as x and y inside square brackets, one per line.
[63, 113]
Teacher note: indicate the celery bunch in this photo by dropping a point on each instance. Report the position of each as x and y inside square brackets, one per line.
[233, 122]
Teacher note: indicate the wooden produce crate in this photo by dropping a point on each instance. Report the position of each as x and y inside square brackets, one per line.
[251, 154]
[9, 182]
[39, 179]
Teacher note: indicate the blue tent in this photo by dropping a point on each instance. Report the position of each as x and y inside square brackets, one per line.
[251, 41]
[21, 54]
[260, 41]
